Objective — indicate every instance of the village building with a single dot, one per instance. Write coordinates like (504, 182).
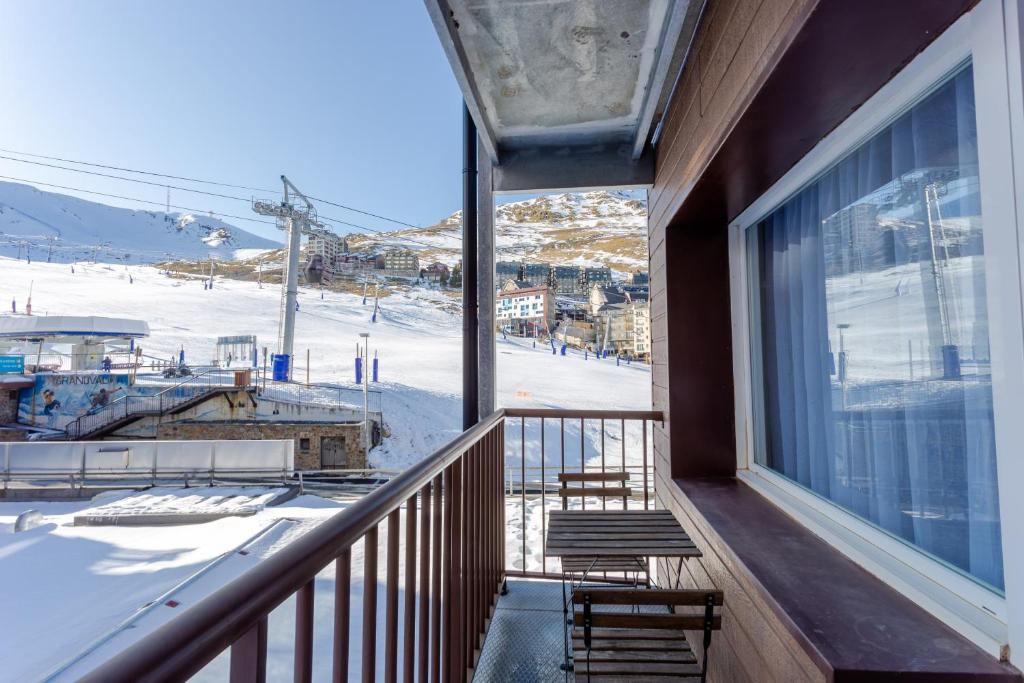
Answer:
(595, 276)
(399, 262)
(567, 280)
(578, 335)
(351, 264)
(436, 272)
(537, 274)
(525, 310)
(328, 246)
(507, 270)
(641, 330)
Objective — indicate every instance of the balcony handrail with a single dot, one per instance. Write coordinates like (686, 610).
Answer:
(183, 646)
(555, 413)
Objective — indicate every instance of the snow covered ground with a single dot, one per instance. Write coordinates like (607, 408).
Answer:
(63, 228)
(67, 587)
(73, 586)
(418, 341)
(79, 594)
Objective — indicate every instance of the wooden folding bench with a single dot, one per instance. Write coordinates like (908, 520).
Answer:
(642, 647)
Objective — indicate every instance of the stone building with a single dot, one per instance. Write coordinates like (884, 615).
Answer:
(318, 445)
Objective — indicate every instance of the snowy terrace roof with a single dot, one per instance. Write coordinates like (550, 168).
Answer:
(566, 95)
(68, 328)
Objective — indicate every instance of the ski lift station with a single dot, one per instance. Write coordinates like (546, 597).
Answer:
(88, 336)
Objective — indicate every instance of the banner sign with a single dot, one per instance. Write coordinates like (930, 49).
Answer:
(12, 364)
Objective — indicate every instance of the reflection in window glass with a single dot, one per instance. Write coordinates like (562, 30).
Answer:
(871, 336)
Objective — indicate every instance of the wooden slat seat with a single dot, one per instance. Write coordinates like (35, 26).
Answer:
(592, 476)
(641, 646)
(595, 492)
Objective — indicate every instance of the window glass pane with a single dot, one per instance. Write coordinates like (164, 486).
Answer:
(871, 336)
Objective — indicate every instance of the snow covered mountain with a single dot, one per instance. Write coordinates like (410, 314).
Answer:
(588, 228)
(66, 228)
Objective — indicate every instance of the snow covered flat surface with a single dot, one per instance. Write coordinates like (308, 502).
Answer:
(168, 501)
(68, 587)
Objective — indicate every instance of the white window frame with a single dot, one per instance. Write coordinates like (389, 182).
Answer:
(989, 36)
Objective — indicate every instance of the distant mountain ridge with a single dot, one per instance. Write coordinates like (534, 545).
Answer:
(601, 227)
(69, 229)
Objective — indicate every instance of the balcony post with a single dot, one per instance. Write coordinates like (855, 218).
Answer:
(485, 220)
(470, 357)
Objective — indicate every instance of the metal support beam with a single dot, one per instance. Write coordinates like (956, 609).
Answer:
(470, 325)
(549, 169)
(487, 359)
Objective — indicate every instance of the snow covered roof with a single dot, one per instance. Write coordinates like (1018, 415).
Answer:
(70, 327)
(10, 382)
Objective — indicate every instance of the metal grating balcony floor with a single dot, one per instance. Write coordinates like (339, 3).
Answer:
(524, 642)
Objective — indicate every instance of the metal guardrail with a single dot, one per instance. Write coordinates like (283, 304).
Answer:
(453, 505)
(538, 482)
(320, 394)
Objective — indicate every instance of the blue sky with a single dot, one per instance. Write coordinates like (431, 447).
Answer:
(355, 102)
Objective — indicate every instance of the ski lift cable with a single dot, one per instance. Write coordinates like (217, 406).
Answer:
(199, 180)
(135, 199)
(327, 219)
(246, 200)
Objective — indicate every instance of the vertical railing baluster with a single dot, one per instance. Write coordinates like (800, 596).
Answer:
(561, 467)
(409, 617)
(603, 499)
(458, 568)
(342, 609)
(643, 424)
(447, 603)
(304, 633)
(489, 528)
(622, 438)
(436, 580)
(522, 481)
(391, 599)
(543, 504)
(423, 663)
(503, 560)
(474, 549)
(583, 462)
(469, 601)
(369, 634)
(249, 655)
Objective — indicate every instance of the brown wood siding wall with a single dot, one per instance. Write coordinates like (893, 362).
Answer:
(798, 52)
(736, 45)
(753, 646)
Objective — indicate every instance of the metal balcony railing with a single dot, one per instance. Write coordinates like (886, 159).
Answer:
(454, 543)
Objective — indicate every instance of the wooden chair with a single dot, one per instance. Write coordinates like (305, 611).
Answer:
(619, 489)
(583, 566)
(647, 646)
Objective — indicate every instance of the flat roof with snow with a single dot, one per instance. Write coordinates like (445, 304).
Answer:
(70, 327)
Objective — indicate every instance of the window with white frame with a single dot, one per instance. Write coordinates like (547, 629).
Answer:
(870, 363)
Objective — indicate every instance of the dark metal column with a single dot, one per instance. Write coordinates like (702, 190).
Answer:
(470, 324)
